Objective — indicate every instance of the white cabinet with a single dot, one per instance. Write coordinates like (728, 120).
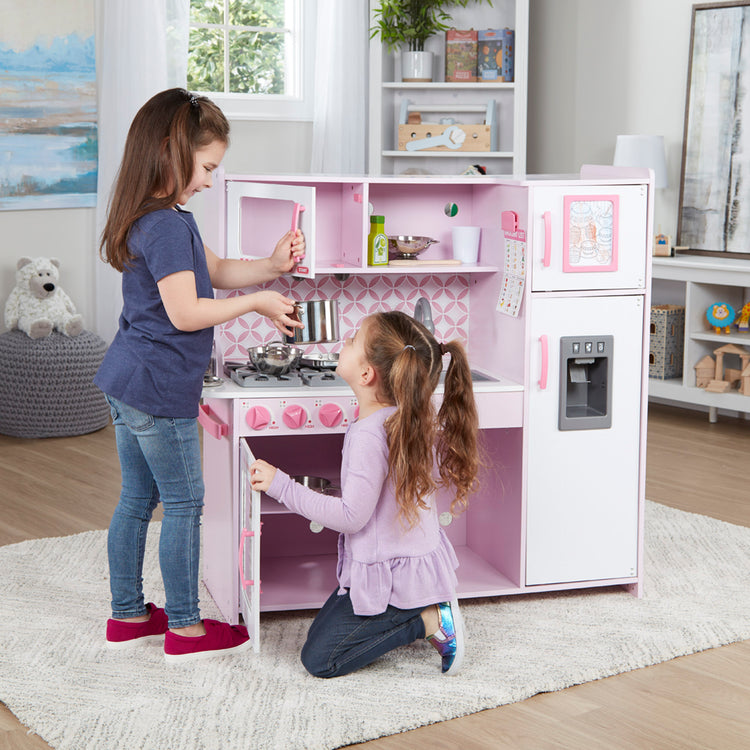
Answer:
(465, 101)
(697, 282)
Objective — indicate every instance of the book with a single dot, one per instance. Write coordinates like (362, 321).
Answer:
(460, 55)
(495, 55)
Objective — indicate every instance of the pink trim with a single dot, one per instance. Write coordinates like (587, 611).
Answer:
(545, 362)
(568, 267)
(211, 423)
(547, 216)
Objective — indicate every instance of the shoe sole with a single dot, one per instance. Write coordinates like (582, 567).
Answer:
(458, 624)
(133, 642)
(198, 655)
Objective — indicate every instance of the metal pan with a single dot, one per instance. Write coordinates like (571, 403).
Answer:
(320, 322)
(319, 361)
(276, 358)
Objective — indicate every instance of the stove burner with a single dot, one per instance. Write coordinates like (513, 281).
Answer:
(245, 375)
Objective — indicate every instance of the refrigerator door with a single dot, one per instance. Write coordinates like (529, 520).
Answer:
(592, 239)
(249, 551)
(582, 483)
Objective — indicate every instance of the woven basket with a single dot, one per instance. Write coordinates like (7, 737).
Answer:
(46, 387)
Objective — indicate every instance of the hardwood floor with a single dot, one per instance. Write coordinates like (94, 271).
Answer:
(59, 486)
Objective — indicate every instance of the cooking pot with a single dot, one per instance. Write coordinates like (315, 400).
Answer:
(320, 321)
(276, 358)
(319, 484)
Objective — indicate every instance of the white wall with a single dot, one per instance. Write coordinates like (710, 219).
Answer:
(601, 68)
(598, 68)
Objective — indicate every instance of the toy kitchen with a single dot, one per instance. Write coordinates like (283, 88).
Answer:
(554, 316)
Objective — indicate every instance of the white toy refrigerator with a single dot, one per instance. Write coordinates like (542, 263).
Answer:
(586, 384)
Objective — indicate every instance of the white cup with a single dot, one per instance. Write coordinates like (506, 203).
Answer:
(466, 244)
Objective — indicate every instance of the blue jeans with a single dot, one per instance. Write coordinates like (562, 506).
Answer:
(340, 642)
(160, 460)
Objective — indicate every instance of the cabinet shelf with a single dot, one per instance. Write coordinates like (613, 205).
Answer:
(448, 86)
(451, 154)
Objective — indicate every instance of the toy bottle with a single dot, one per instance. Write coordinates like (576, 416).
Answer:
(377, 242)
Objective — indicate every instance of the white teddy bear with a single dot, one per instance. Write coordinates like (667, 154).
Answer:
(37, 305)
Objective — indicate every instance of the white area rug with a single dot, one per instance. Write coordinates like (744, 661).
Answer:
(59, 679)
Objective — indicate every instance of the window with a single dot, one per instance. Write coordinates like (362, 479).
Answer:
(254, 58)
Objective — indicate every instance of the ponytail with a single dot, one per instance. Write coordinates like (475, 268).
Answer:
(408, 360)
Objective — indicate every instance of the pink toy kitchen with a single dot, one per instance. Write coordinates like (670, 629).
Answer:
(554, 317)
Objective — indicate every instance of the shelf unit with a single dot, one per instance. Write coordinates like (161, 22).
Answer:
(441, 97)
(696, 282)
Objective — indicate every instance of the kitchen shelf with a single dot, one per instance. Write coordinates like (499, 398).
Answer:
(448, 86)
(450, 154)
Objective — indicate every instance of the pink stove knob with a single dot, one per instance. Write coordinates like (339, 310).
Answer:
(258, 417)
(294, 416)
(331, 415)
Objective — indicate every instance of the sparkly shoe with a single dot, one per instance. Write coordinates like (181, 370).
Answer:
(449, 639)
(122, 634)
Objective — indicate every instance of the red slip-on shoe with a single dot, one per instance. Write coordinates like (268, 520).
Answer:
(122, 634)
(221, 638)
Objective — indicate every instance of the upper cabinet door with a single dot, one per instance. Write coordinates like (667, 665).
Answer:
(258, 215)
(591, 239)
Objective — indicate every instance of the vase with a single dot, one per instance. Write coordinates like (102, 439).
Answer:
(416, 66)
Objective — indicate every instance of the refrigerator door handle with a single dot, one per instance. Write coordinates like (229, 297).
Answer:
(547, 217)
(545, 362)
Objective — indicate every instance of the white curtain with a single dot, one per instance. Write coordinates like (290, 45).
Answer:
(141, 49)
(338, 141)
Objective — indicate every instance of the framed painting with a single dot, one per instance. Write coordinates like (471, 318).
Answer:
(48, 119)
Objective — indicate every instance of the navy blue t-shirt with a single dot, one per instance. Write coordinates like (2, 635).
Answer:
(151, 365)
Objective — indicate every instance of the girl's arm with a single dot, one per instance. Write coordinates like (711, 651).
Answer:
(362, 482)
(233, 273)
(188, 312)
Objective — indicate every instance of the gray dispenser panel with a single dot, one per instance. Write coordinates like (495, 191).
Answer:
(585, 382)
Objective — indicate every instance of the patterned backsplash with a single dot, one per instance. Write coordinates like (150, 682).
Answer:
(358, 297)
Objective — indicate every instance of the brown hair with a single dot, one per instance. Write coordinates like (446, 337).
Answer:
(408, 361)
(157, 163)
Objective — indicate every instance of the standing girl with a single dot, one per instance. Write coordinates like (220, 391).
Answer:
(396, 567)
(153, 371)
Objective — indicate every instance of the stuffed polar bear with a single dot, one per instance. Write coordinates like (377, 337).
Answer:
(37, 305)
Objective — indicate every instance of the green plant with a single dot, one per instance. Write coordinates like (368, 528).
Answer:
(409, 23)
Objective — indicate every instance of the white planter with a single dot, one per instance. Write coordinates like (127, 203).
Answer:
(416, 66)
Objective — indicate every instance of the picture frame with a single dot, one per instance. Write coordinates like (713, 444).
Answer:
(714, 206)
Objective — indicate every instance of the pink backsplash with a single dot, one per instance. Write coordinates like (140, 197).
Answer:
(358, 297)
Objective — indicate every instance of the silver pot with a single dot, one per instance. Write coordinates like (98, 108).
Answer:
(320, 361)
(320, 320)
(276, 358)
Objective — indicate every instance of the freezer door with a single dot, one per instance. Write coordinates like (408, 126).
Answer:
(259, 213)
(249, 551)
(591, 239)
(582, 497)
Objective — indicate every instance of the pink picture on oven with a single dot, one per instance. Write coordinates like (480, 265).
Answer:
(590, 229)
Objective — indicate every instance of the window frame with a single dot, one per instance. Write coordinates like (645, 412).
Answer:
(298, 103)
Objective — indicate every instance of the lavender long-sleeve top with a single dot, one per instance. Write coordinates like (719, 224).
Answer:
(380, 561)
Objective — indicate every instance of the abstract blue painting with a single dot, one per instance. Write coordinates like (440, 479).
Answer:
(48, 119)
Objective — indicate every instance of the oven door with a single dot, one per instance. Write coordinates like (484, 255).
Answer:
(249, 551)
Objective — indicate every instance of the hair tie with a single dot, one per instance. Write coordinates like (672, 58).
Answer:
(194, 101)
(408, 346)
(443, 349)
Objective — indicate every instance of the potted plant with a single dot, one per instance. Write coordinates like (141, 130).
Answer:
(407, 24)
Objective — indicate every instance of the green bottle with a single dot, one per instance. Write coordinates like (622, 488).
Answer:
(377, 242)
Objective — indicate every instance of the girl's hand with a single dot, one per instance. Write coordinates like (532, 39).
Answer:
(261, 475)
(289, 251)
(278, 309)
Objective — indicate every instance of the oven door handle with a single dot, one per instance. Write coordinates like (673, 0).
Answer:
(545, 362)
(211, 423)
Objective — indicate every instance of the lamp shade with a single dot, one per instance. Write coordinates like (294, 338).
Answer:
(643, 151)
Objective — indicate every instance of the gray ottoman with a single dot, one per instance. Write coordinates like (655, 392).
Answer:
(46, 387)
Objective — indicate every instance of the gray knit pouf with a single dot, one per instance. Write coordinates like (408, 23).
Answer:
(46, 387)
